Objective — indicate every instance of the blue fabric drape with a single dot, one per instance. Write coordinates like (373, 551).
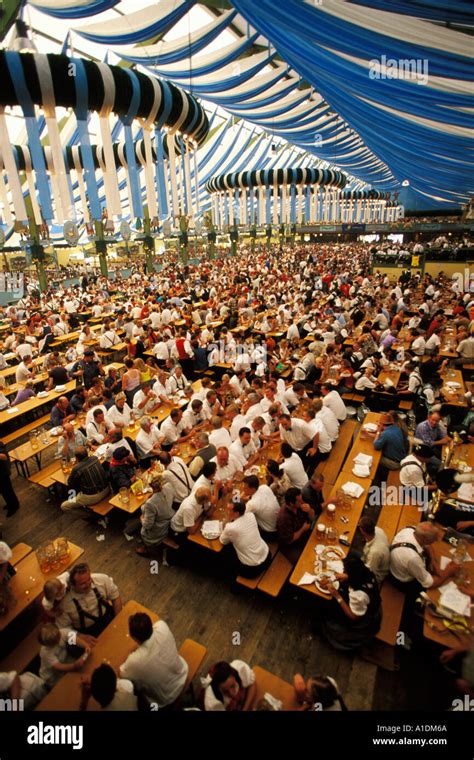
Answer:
(32, 129)
(81, 10)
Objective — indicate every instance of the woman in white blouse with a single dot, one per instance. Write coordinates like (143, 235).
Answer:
(318, 693)
(229, 687)
(356, 614)
(119, 415)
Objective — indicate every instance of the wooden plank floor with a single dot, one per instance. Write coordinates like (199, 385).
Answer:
(273, 633)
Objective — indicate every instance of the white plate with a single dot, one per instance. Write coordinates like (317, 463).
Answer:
(332, 552)
(60, 388)
(326, 574)
(43, 394)
(255, 470)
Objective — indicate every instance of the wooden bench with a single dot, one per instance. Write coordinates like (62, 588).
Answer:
(392, 606)
(19, 552)
(102, 508)
(358, 399)
(23, 654)
(409, 515)
(25, 429)
(194, 654)
(43, 477)
(275, 577)
(332, 466)
(382, 651)
(168, 543)
(406, 405)
(390, 514)
(252, 583)
(388, 519)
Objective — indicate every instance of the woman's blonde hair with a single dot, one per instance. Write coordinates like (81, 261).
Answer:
(49, 635)
(140, 365)
(120, 396)
(51, 588)
(157, 482)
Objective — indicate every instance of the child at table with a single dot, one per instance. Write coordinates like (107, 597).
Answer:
(54, 592)
(318, 693)
(229, 687)
(54, 653)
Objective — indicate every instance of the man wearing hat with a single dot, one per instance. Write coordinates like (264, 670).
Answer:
(12, 504)
(7, 571)
(87, 369)
(413, 472)
(122, 469)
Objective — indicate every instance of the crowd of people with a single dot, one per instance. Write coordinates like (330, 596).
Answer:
(266, 336)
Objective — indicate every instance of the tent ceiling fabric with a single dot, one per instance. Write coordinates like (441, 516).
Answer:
(378, 89)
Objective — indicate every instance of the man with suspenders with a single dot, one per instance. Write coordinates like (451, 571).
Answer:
(413, 473)
(90, 604)
(412, 564)
(177, 475)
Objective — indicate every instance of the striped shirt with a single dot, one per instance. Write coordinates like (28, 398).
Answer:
(88, 477)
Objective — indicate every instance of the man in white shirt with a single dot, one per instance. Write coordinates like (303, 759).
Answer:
(238, 420)
(155, 318)
(320, 441)
(412, 563)
(24, 349)
(91, 602)
(253, 554)
(239, 384)
(159, 388)
(161, 351)
(138, 329)
(220, 436)
(211, 405)
(293, 396)
(96, 430)
(156, 667)
(252, 407)
(109, 339)
(433, 342)
(244, 449)
(186, 519)
(148, 439)
(292, 334)
(60, 328)
(418, 345)
(177, 476)
(172, 429)
(119, 415)
(25, 370)
(376, 552)
(328, 418)
(293, 466)
(227, 465)
(465, 350)
(176, 382)
(414, 475)
(193, 417)
(332, 399)
(263, 503)
(295, 432)
(366, 382)
(145, 401)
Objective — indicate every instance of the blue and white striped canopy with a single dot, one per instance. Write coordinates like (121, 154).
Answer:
(379, 88)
